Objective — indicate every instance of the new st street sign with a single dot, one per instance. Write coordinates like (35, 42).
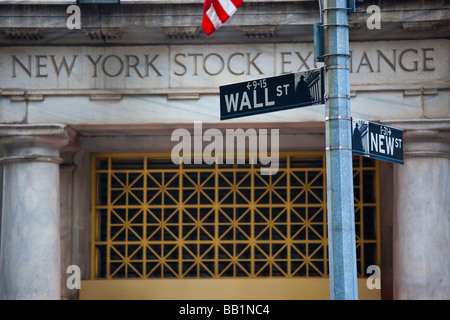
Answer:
(283, 92)
(377, 141)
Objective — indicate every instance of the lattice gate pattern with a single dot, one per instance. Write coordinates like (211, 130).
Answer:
(153, 219)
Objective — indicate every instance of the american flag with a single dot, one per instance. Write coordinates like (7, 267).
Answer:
(217, 12)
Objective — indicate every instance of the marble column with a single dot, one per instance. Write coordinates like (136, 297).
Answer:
(30, 235)
(421, 222)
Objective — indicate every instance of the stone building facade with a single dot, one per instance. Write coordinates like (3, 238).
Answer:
(87, 113)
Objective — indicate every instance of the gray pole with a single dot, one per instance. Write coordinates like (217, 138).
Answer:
(341, 221)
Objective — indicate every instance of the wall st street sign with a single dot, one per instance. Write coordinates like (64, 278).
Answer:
(271, 94)
(377, 141)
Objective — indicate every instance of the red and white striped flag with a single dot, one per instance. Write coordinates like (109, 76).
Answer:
(217, 12)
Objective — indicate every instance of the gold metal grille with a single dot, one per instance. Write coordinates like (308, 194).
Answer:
(153, 219)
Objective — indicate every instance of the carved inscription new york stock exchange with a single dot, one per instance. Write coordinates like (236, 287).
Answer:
(163, 68)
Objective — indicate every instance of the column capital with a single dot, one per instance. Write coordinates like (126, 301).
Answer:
(39, 135)
(42, 143)
(425, 137)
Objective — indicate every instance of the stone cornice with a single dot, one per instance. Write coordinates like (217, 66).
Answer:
(104, 33)
(181, 33)
(151, 22)
(28, 34)
(420, 26)
(260, 32)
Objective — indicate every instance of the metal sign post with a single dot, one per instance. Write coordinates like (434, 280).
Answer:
(340, 201)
